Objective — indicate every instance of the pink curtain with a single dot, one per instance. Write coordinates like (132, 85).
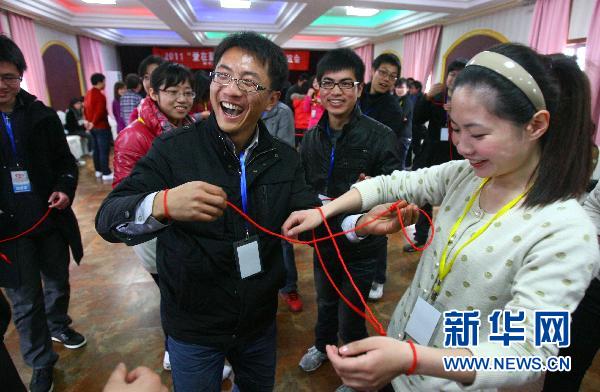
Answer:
(419, 53)
(23, 34)
(550, 26)
(592, 66)
(90, 52)
(366, 54)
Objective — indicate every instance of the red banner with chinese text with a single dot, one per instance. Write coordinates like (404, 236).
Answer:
(202, 58)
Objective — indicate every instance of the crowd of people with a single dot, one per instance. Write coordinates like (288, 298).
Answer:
(504, 149)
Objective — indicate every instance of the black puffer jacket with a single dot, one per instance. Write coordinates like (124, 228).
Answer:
(203, 299)
(365, 146)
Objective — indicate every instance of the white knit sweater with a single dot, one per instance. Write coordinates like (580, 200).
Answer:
(528, 259)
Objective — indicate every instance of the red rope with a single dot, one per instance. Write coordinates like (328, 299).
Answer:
(369, 316)
(32, 228)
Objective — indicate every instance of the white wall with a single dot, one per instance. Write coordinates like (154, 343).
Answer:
(110, 57)
(5, 26)
(513, 23)
(46, 34)
(581, 17)
(396, 46)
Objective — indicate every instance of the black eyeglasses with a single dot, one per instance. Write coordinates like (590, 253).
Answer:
(245, 85)
(386, 75)
(11, 80)
(347, 84)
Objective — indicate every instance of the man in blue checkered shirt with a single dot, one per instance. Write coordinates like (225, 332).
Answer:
(131, 98)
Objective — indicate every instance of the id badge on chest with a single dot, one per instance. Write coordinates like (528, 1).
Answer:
(20, 181)
(444, 135)
(248, 257)
(422, 321)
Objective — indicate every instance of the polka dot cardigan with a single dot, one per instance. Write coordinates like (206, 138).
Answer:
(528, 259)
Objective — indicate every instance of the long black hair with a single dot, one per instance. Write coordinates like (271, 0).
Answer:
(565, 164)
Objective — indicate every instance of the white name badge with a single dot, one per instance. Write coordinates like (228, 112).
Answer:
(324, 199)
(422, 321)
(20, 181)
(313, 113)
(444, 135)
(248, 257)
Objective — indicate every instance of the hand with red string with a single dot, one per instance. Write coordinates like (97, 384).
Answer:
(370, 364)
(192, 201)
(385, 218)
(58, 200)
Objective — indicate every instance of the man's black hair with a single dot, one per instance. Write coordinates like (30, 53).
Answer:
(340, 60)
(10, 53)
(400, 82)
(152, 59)
(97, 78)
(132, 81)
(457, 65)
(266, 52)
(304, 76)
(387, 58)
(416, 84)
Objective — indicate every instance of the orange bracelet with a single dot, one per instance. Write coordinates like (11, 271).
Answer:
(165, 204)
(413, 366)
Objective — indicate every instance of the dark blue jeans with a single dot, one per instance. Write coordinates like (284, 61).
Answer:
(333, 315)
(291, 272)
(41, 311)
(381, 264)
(403, 147)
(101, 139)
(199, 368)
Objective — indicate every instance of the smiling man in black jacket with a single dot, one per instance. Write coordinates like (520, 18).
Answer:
(219, 275)
(37, 172)
(344, 147)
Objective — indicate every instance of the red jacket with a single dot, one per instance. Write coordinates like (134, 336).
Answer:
(94, 105)
(136, 139)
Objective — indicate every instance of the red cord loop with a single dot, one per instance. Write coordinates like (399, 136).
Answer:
(413, 366)
(165, 207)
(369, 316)
(32, 228)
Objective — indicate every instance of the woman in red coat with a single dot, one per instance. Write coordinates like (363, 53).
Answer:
(166, 107)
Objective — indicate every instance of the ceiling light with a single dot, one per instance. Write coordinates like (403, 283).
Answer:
(355, 11)
(108, 2)
(235, 3)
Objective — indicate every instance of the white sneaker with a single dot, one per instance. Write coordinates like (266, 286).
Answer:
(108, 177)
(166, 361)
(312, 359)
(98, 174)
(376, 291)
(226, 371)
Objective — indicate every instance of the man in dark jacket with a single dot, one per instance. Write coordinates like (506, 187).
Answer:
(38, 173)
(344, 147)
(437, 147)
(219, 275)
(378, 103)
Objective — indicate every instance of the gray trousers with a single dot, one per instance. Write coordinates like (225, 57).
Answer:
(41, 311)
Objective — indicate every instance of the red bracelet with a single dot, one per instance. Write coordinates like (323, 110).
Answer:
(413, 366)
(165, 204)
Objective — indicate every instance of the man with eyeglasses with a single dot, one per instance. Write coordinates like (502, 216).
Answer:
(378, 103)
(344, 147)
(219, 275)
(37, 172)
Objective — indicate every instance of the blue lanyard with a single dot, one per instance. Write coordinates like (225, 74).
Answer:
(243, 189)
(331, 158)
(10, 133)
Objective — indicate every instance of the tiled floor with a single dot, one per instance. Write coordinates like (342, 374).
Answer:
(114, 302)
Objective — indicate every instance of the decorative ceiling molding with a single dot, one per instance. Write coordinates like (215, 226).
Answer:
(293, 18)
